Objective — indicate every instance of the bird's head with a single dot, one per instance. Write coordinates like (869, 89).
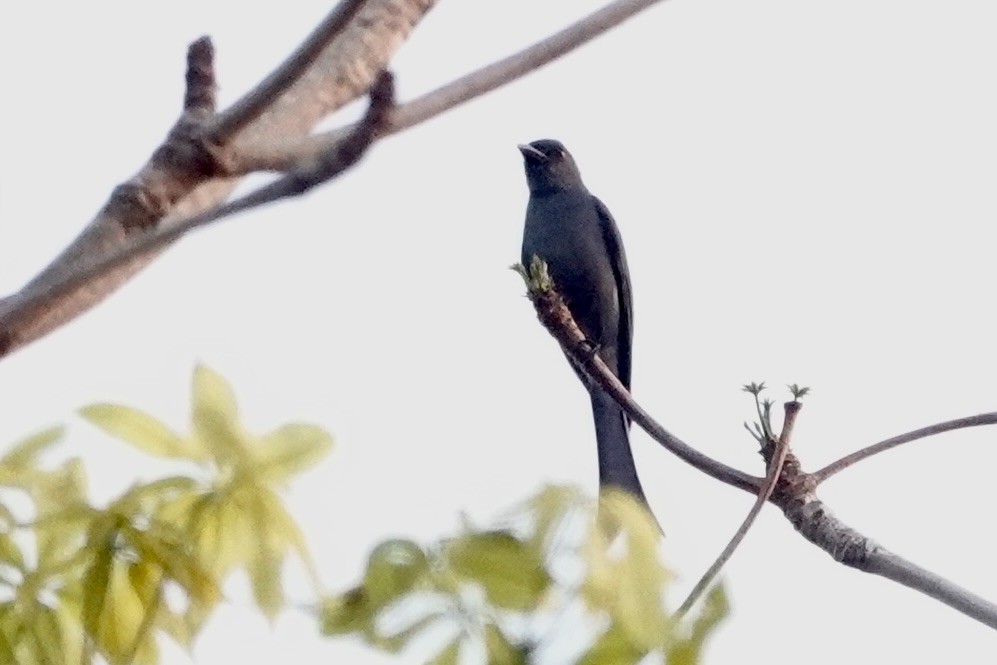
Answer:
(549, 167)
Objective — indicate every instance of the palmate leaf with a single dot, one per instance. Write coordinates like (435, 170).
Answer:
(510, 570)
(141, 430)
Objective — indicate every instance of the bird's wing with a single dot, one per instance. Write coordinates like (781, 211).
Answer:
(618, 259)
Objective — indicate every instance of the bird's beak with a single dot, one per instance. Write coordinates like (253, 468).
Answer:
(531, 154)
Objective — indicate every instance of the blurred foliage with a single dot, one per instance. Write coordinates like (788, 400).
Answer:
(82, 583)
(550, 581)
(79, 580)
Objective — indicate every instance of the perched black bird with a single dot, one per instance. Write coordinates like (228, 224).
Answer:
(574, 233)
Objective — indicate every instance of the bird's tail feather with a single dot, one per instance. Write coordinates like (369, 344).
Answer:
(616, 461)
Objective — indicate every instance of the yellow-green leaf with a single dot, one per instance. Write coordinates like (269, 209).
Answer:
(500, 650)
(631, 587)
(141, 430)
(613, 648)
(46, 632)
(161, 548)
(212, 395)
(54, 490)
(120, 620)
(23, 454)
(68, 615)
(97, 579)
(10, 552)
(225, 535)
(393, 569)
(282, 524)
(449, 655)
(346, 613)
(510, 570)
(215, 416)
(395, 642)
(290, 449)
(267, 560)
(550, 508)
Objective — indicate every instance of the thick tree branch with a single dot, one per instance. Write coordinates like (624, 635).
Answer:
(163, 197)
(275, 139)
(322, 169)
(252, 105)
(876, 448)
(816, 523)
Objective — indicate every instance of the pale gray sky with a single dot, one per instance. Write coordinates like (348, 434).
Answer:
(805, 191)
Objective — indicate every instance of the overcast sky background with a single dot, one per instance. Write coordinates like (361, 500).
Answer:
(806, 194)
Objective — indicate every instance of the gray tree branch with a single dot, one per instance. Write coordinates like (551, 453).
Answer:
(269, 130)
(165, 192)
(795, 490)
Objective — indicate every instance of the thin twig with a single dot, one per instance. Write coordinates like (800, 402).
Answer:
(508, 69)
(938, 428)
(279, 156)
(199, 91)
(246, 110)
(781, 450)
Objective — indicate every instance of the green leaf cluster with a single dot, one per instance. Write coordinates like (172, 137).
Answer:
(86, 580)
(503, 592)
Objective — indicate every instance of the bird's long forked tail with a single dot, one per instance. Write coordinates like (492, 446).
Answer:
(616, 460)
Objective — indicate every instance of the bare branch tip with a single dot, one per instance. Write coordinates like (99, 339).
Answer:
(199, 96)
(382, 100)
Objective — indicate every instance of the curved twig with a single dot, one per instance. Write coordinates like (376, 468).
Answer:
(794, 491)
(876, 448)
(781, 450)
(279, 155)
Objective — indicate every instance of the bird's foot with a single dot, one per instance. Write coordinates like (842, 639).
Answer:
(591, 348)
